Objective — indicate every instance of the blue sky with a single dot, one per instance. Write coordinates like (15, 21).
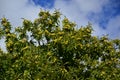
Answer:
(44, 3)
(103, 14)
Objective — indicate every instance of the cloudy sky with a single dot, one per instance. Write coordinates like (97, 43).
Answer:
(103, 14)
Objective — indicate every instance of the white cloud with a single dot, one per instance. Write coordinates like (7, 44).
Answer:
(14, 10)
(98, 31)
(113, 27)
(2, 44)
(90, 5)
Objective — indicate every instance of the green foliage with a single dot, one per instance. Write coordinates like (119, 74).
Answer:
(50, 49)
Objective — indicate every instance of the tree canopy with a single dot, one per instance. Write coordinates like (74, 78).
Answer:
(52, 49)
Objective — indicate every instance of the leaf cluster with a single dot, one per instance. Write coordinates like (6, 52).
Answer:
(50, 49)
